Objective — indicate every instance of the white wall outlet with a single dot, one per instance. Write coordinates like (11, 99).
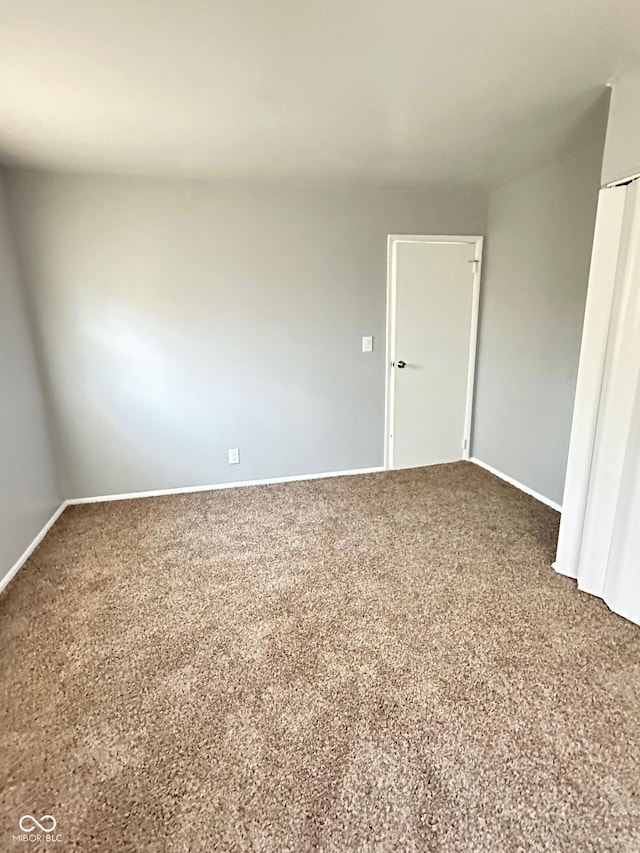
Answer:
(234, 456)
(367, 343)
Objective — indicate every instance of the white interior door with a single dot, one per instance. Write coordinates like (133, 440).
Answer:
(433, 299)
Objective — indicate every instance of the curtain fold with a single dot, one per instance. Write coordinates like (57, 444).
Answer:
(622, 581)
(595, 335)
(599, 540)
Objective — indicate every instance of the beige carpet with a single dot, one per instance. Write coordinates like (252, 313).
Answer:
(373, 663)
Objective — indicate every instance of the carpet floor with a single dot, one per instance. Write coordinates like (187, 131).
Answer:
(384, 662)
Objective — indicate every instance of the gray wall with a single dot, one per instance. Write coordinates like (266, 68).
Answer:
(181, 318)
(28, 491)
(540, 232)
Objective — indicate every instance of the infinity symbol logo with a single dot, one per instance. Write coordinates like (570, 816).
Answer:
(41, 824)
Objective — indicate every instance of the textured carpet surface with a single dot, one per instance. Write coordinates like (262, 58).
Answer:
(373, 663)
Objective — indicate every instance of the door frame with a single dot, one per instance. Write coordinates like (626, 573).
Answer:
(392, 242)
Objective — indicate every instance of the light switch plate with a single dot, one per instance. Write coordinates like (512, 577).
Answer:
(367, 343)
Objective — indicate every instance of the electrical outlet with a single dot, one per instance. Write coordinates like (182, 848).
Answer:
(367, 343)
(234, 456)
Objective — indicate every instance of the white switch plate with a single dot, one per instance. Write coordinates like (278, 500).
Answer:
(234, 456)
(367, 343)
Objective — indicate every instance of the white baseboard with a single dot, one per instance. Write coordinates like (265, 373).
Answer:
(126, 496)
(521, 486)
(13, 571)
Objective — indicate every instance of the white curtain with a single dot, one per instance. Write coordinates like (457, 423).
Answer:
(600, 529)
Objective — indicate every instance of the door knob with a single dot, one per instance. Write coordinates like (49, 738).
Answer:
(401, 364)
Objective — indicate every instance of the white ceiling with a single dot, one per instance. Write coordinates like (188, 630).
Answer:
(420, 91)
